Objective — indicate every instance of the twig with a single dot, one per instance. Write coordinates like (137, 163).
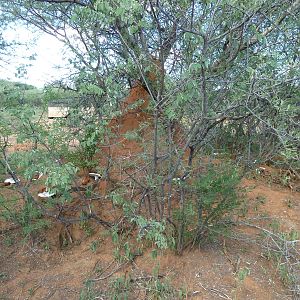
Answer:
(112, 272)
(119, 267)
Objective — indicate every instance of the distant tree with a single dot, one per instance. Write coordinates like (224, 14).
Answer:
(13, 94)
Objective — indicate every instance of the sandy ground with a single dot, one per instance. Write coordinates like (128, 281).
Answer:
(38, 272)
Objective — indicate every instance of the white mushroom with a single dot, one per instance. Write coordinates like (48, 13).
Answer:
(96, 176)
(9, 181)
(46, 194)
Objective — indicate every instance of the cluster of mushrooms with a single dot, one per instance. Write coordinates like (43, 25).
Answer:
(43, 193)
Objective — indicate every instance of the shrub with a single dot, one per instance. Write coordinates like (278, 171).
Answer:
(217, 196)
(28, 217)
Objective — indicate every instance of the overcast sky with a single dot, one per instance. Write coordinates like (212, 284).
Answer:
(44, 69)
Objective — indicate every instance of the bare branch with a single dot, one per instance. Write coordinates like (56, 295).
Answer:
(77, 2)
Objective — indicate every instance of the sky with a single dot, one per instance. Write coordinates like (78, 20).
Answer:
(50, 61)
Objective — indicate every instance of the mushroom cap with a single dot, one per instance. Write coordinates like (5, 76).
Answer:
(96, 176)
(9, 180)
(46, 194)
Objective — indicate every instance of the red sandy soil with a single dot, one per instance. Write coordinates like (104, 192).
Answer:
(32, 272)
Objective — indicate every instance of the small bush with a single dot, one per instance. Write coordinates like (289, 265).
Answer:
(213, 195)
(217, 196)
(28, 216)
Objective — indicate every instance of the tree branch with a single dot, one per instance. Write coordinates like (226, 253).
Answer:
(77, 2)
